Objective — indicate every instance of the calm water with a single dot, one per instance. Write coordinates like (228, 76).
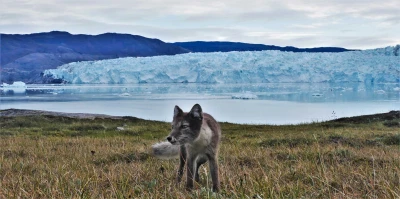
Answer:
(269, 103)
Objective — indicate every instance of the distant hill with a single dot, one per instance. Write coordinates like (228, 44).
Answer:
(24, 57)
(217, 46)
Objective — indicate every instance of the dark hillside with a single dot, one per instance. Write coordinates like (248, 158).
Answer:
(216, 46)
(24, 57)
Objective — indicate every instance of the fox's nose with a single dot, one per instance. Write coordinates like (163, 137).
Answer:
(169, 138)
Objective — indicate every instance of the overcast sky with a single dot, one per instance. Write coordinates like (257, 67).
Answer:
(354, 24)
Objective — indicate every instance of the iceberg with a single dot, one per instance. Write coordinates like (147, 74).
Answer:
(16, 87)
(370, 66)
(17, 84)
(125, 95)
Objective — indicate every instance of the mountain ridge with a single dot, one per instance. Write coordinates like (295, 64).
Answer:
(26, 56)
(227, 46)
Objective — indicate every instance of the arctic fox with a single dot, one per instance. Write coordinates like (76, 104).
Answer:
(194, 138)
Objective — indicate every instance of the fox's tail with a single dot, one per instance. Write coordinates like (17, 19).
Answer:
(165, 150)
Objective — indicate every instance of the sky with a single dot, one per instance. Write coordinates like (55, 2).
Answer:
(353, 24)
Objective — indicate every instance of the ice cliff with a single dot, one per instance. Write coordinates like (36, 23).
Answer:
(377, 65)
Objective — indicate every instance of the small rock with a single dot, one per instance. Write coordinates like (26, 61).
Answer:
(317, 94)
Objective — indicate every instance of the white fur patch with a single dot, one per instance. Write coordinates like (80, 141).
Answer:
(204, 138)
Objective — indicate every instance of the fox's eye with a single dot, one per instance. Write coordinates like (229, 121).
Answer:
(185, 126)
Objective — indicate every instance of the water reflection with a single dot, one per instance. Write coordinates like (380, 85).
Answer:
(298, 92)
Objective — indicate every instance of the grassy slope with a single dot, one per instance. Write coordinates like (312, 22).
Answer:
(60, 157)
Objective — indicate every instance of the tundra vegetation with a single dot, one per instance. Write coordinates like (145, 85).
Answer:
(50, 156)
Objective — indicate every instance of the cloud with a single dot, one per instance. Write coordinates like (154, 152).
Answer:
(302, 23)
(366, 42)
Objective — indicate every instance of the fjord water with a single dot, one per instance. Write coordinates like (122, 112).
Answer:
(263, 103)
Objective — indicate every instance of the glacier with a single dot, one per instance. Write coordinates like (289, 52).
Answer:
(370, 66)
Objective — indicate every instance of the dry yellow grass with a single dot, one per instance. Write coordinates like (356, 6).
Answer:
(58, 157)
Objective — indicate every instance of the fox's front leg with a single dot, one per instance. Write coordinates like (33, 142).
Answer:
(182, 163)
(190, 164)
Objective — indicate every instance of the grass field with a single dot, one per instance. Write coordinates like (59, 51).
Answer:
(48, 156)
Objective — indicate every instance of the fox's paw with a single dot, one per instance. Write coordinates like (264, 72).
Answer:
(189, 187)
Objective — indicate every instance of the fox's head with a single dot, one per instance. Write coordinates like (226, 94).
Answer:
(185, 127)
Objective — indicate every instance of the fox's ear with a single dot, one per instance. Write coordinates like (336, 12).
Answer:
(177, 111)
(197, 112)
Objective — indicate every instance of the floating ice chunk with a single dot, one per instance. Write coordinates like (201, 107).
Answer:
(17, 84)
(347, 89)
(380, 92)
(125, 95)
(16, 87)
(396, 88)
(246, 95)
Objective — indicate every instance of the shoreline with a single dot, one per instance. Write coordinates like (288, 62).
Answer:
(391, 115)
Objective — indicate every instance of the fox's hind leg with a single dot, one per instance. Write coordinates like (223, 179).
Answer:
(182, 163)
(199, 163)
(214, 172)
